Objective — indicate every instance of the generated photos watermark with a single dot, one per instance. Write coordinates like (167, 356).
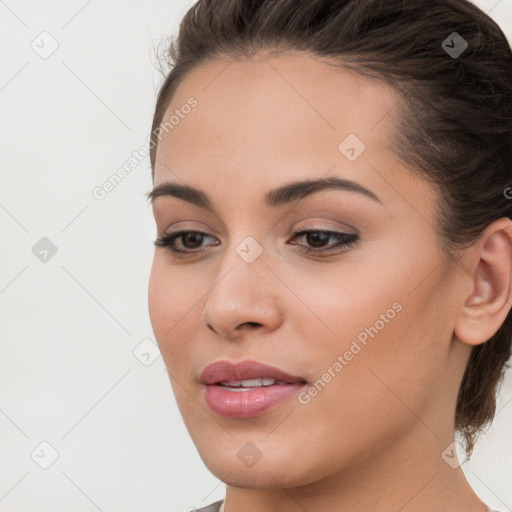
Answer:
(355, 348)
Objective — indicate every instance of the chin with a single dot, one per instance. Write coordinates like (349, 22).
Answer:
(270, 471)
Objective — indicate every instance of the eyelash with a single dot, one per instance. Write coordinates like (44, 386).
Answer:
(345, 240)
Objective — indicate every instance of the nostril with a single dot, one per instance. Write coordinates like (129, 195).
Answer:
(255, 324)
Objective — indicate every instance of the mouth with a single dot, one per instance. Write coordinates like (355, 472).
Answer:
(246, 373)
(248, 388)
(247, 384)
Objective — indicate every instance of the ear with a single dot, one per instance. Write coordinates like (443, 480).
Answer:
(490, 276)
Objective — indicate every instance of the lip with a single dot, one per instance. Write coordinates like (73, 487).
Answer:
(251, 402)
(223, 370)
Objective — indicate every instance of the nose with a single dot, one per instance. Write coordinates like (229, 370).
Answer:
(243, 300)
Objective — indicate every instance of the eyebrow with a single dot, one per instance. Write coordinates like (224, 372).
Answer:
(275, 197)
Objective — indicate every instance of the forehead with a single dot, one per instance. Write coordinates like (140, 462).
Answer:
(292, 99)
(271, 119)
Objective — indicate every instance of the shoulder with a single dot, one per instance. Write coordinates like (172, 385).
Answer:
(212, 507)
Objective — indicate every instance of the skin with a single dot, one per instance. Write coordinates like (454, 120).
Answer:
(372, 439)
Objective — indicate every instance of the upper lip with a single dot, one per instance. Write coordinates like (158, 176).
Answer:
(220, 371)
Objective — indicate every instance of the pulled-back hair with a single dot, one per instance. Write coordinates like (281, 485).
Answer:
(455, 122)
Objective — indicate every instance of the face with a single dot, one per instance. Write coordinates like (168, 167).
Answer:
(365, 321)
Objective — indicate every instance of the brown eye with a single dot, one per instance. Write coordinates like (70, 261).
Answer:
(191, 241)
(317, 239)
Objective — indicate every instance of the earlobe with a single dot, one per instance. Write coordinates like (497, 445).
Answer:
(486, 307)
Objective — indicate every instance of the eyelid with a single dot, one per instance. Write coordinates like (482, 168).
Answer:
(184, 225)
(319, 225)
(340, 227)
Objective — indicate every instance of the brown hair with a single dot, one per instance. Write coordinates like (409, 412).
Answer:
(454, 128)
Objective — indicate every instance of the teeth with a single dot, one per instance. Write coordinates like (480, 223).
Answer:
(249, 383)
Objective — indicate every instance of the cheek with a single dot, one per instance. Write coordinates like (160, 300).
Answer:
(169, 303)
(390, 369)
(387, 329)
(344, 304)
(381, 381)
(158, 299)
(175, 308)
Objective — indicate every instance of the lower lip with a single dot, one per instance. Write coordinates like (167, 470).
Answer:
(250, 403)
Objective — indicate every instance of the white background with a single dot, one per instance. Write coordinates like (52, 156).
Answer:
(69, 326)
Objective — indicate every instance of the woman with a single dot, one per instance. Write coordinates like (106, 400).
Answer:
(331, 283)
